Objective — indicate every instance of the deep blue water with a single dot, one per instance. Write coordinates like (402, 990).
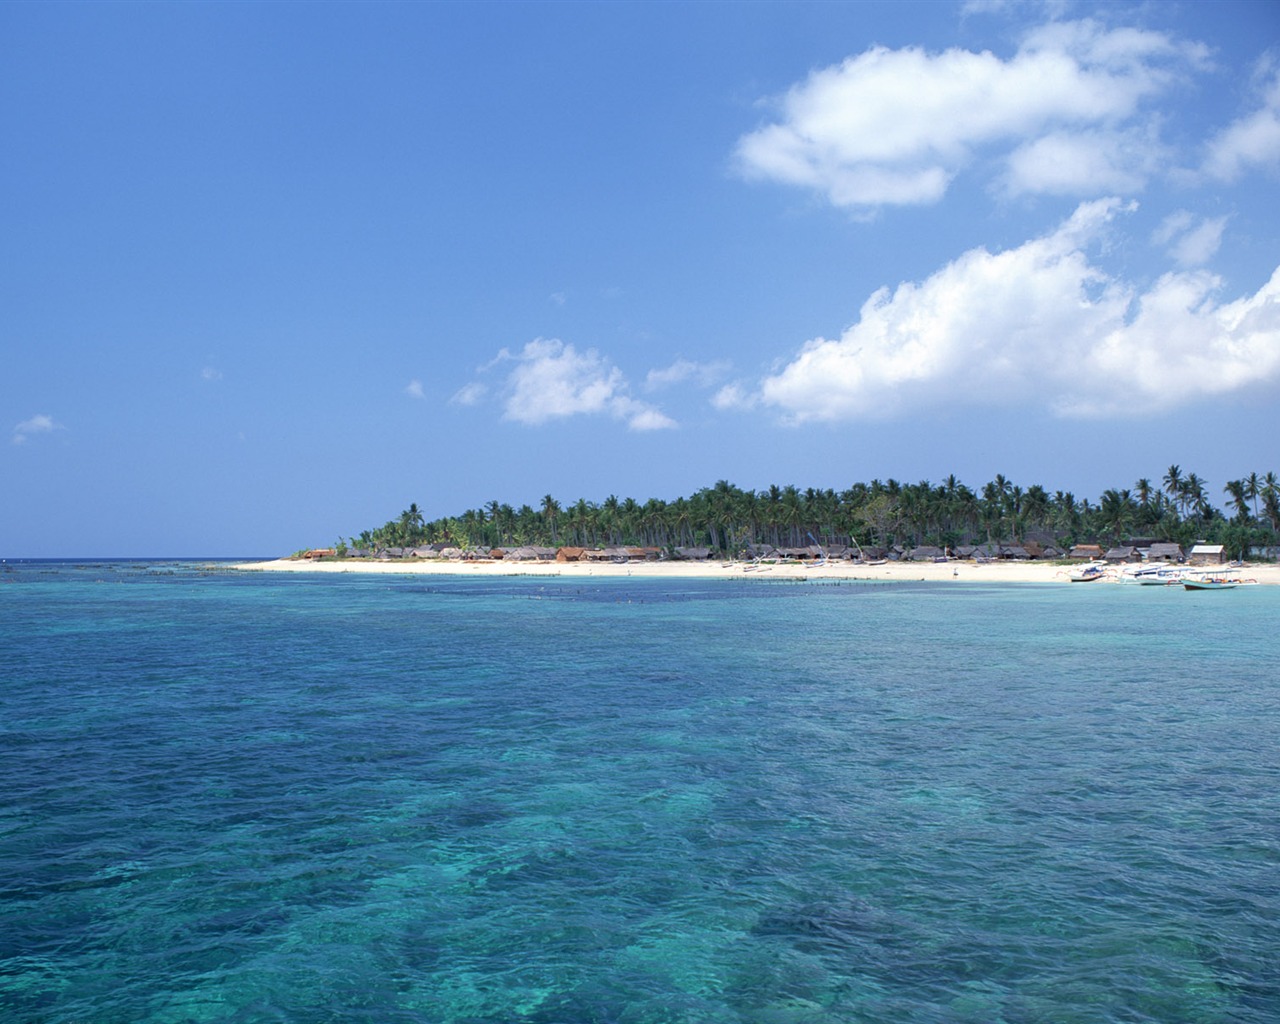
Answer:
(247, 797)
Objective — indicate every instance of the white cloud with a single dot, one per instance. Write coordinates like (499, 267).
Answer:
(1190, 244)
(682, 370)
(1036, 325)
(736, 395)
(1177, 223)
(1084, 162)
(470, 394)
(210, 373)
(552, 380)
(414, 389)
(36, 425)
(896, 126)
(1250, 141)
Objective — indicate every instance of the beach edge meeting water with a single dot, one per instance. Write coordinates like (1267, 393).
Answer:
(954, 570)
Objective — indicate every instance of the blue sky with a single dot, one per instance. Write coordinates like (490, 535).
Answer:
(271, 272)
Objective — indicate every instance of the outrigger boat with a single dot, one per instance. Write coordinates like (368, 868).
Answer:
(1221, 581)
(1090, 573)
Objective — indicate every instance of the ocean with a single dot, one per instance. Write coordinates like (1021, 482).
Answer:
(257, 797)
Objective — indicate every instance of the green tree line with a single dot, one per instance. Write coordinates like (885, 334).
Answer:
(882, 513)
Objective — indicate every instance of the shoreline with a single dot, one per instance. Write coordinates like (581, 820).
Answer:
(957, 571)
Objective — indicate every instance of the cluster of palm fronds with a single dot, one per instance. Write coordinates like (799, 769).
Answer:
(729, 519)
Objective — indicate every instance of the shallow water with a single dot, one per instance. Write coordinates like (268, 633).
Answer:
(250, 798)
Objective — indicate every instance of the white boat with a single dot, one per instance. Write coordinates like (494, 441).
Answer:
(1155, 576)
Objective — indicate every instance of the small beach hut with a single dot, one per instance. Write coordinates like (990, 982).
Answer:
(1207, 554)
(926, 553)
(693, 554)
(1164, 552)
(1123, 553)
(1086, 552)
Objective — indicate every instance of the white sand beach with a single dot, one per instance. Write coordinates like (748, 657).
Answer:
(958, 571)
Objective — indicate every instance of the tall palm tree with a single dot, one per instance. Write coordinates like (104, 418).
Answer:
(1271, 500)
(1197, 501)
(1173, 483)
(550, 513)
(1251, 489)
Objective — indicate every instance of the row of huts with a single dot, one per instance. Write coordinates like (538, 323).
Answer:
(1137, 551)
(1156, 551)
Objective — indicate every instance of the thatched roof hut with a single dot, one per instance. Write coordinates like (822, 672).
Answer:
(926, 553)
(1164, 552)
(644, 554)
(693, 554)
(1087, 552)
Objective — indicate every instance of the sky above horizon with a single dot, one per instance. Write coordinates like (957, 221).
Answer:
(272, 272)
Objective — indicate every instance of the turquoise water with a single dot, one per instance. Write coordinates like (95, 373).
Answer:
(276, 798)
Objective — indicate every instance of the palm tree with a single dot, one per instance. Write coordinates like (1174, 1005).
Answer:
(1194, 490)
(792, 514)
(1271, 500)
(1238, 490)
(1115, 512)
(1173, 483)
(550, 513)
(1035, 505)
(1251, 490)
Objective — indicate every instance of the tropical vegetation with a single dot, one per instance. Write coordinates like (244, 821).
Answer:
(730, 520)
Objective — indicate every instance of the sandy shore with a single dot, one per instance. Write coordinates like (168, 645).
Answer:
(967, 572)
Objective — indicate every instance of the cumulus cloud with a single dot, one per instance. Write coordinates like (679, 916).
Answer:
(414, 389)
(35, 426)
(1065, 114)
(549, 380)
(1251, 141)
(1038, 324)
